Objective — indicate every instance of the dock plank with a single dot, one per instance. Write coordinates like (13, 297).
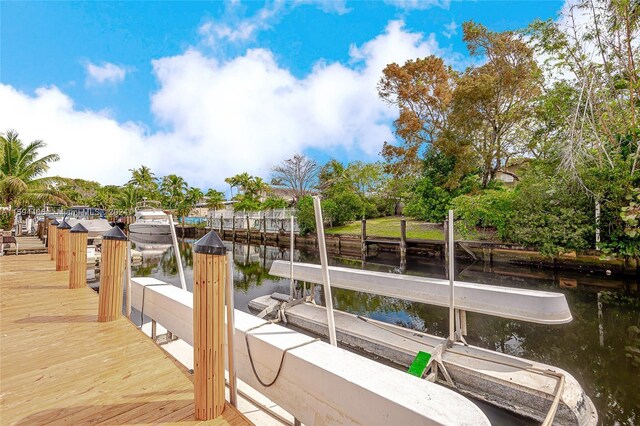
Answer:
(59, 365)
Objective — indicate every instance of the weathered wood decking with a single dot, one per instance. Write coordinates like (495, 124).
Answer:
(59, 365)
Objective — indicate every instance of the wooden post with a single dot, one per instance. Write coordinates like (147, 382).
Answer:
(403, 240)
(209, 278)
(233, 228)
(78, 256)
(363, 238)
(45, 233)
(221, 224)
(62, 247)
(264, 227)
(52, 232)
(248, 230)
(114, 249)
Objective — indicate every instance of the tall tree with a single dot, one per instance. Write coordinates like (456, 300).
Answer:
(595, 47)
(299, 173)
(330, 175)
(144, 180)
(173, 188)
(251, 191)
(127, 198)
(215, 199)
(21, 180)
(492, 102)
(366, 178)
(422, 89)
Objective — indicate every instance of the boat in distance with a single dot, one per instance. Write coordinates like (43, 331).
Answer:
(150, 219)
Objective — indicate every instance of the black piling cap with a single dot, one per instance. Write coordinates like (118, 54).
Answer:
(114, 233)
(64, 225)
(54, 222)
(78, 228)
(210, 244)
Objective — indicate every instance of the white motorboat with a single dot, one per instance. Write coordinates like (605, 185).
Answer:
(95, 227)
(150, 219)
(151, 245)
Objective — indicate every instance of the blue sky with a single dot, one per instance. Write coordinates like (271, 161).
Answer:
(210, 89)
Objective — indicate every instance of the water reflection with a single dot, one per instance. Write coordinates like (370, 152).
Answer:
(606, 372)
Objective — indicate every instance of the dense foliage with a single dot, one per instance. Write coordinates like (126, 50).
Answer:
(6, 219)
(553, 110)
(21, 173)
(560, 100)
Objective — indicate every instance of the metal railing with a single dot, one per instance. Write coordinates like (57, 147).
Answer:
(269, 220)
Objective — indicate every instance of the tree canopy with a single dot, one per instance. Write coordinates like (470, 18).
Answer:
(21, 173)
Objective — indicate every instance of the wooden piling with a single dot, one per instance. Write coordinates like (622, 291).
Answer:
(248, 230)
(209, 277)
(114, 249)
(62, 247)
(221, 224)
(233, 228)
(45, 231)
(51, 232)
(363, 238)
(78, 256)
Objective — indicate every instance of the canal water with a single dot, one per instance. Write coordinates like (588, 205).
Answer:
(597, 347)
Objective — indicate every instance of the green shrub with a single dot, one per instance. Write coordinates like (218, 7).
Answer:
(345, 207)
(305, 215)
(6, 219)
(274, 203)
(490, 209)
(551, 216)
(428, 202)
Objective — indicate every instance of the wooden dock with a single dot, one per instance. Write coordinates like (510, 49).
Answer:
(59, 365)
(26, 245)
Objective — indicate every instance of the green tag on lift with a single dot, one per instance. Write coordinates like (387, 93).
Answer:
(419, 364)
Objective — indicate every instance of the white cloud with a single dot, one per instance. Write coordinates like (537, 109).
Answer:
(450, 29)
(419, 4)
(234, 27)
(105, 73)
(225, 117)
(91, 145)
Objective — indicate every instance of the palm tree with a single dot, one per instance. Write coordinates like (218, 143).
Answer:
(128, 198)
(144, 179)
(173, 188)
(189, 201)
(214, 199)
(21, 170)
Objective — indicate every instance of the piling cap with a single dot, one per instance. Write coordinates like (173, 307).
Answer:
(77, 228)
(210, 244)
(64, 225)
(114, 233)
(54, 222)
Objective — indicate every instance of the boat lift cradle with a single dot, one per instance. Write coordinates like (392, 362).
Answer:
(518, 385)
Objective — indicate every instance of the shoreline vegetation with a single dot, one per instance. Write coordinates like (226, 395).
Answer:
(541, 154)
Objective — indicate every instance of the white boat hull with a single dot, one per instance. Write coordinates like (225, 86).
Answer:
(150, 228)
(95, 227)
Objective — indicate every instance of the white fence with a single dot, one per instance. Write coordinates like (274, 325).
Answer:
(269, 220)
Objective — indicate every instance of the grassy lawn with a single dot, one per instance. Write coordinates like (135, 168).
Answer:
(390, 227)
